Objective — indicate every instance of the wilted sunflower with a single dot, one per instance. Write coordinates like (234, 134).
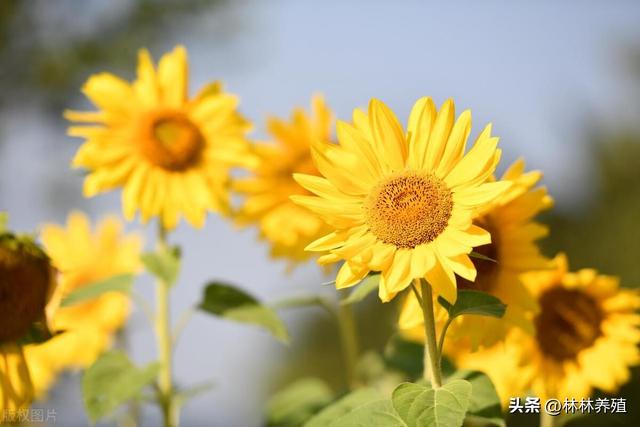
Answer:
(83, 256)
(287, 226)
(509, 219)
(170, 153)
(27, 282)
(402, 203)
(586, 336)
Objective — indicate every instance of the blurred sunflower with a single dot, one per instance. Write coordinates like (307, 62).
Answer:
(287, 226)
(16, 388)
(514, 233)
(27, 282)
(171, 154)
(83, 256)
(586, 336)
(402, 203)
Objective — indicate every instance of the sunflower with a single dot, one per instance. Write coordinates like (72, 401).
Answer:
(402, 203)
(287, 226)
(509, 219)
(586, 336)
(27, 283)
(169, 153)
(83, 256)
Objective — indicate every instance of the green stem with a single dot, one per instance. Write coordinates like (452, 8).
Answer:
(431, 359)
(441, 340)
(163, 333)
(349, 342)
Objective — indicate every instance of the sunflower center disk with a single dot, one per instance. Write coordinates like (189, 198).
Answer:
(24, 284)
(170, 140)
(569, 321)
(409, 210)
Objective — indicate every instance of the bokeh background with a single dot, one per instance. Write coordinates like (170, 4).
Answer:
(559, 80)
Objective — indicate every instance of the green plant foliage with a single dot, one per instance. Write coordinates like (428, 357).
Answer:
(484, 404)
(231, 303)
(298, 402)
(38, 333)
(367, 286)
(304, 301)
(478, 255)
(113, 380)
(119, 283)
(183, 396)
(343, 406)
(421, 406)
(379, 413)
(474, 302)
(164, 264)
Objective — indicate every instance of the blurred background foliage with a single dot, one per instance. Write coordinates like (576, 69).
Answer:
(47, 49)
(605, 234)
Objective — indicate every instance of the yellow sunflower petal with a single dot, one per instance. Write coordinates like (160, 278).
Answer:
(421, 120)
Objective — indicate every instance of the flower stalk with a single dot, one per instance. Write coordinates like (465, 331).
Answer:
(349, 342)
(431, 357)
(163, 333)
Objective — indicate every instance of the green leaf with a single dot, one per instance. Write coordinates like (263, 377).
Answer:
(474, 302)
(183, 396)
(120, 283)
(164, 264)
(484, 405)
(113, 380)
(343, 406)
(478, 255)
(38, 333)
(297, 402)
(420, 405)
(232, 303)
(368, 285)
(303, 301)
(379, 413)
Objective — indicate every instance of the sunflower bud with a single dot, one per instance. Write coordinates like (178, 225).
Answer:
(26, 278)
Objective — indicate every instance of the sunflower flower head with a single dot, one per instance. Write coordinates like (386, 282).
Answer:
(83, 255)
(168, 152)
(514, 232)
(288, 227)
(27, 282)
(402, 202)
(586, 336)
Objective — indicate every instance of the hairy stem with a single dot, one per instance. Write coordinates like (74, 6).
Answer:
(431, 358)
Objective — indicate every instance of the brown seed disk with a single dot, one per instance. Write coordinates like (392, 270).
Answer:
(24, 287)
(409, 209)
(169, 140)
(569, 321)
